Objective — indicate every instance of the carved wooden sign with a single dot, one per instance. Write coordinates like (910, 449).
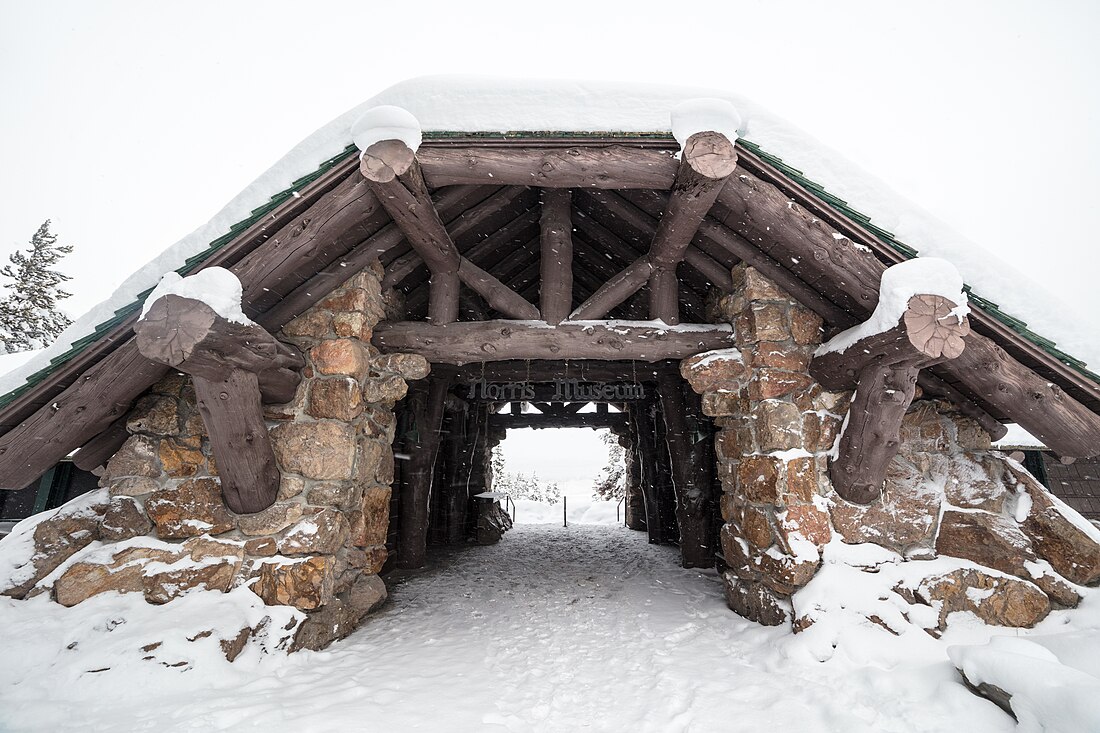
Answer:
(559, 390)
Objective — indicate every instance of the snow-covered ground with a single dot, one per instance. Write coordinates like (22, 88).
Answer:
(555, 629)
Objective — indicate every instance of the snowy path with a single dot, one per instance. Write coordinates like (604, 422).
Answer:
(585, 628)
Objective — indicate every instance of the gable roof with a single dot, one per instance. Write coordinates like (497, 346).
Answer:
(453, 112)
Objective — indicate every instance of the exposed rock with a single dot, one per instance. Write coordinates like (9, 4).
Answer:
(313, 323)
(756, 528)
(290, 486)
(492, 522)
(348, 324)
(994, 599)
(82, 580)
(337, 494)
(369, 560)
(713, 371)
(348, 357)
(762, 322)
(164, 586)
(1066, 544)
(136, 457)
(318, 450)
(348, 300)
(785, 574)
(767, 383)
(806, 521)
(755, 601)
(384, 389)
(275, 518)
(903, 516)
(806, 326)
(777, 355)
(376, 517)
(261, 547)
(987, 539)
(971, 482)
(801, 484)
(133, 486)
(409, 367)
(342, 615)
(56, 540)
(124, 519)
(306, 584)
(324, 532)
(339, 398)
(194, 508)
(758, 479)
(721, 404)
(155, 415)
(778, 425)
(179, 460)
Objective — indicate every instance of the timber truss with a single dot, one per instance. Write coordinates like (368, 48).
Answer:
(553, 248)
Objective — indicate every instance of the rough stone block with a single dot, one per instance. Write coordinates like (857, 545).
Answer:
(339, 398)
(195, 507)
(307, 584)
(138, 456)
(323, 533)
(318, 450)
(312, 324)
(155, 415)
(777, 425)
(767, 383)
(758, 479)
(275, 518)
(123, 520)
(409, 367)
(349, 357)
(992, 598)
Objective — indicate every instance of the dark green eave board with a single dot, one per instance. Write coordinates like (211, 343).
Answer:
(797, 176)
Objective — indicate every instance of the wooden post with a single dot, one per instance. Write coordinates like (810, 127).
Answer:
(556, 266)
(691, 504)
(231, 365)
(412, 538)
(883, 367)
(644, 430)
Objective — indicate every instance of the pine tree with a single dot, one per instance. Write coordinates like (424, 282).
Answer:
(29, 318)
(611, 483)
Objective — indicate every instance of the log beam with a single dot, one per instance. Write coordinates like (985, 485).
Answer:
(231, 365)
(556, 265)
(707, 160)
(581, 420)
(97, 451)
(883, 367)
(610, 166)
(463, 343)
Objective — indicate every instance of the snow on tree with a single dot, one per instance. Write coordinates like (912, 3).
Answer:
(520, 485)
(29, 317)
(611, 483)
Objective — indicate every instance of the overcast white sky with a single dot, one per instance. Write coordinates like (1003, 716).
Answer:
(131, 123)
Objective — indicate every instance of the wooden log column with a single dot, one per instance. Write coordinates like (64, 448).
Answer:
(231, 365)
(690, 500)
(883, 368)
(420, 443)
(556, 265)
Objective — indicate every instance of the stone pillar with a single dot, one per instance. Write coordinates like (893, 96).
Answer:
(775, 427)
(321, 545)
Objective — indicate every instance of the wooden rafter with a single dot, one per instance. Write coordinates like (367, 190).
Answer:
(707, 160)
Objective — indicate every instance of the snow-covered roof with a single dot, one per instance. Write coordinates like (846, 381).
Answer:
(454, 104)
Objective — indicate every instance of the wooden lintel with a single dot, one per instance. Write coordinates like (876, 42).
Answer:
(610, 166)
(226, 360)
(556, 262)
(707, 160)
(552, 370)
(463, 343)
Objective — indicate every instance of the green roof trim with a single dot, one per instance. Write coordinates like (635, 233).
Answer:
(817, 190)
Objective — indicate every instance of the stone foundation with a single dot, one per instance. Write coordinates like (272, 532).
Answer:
(947, 494)
(163, 529)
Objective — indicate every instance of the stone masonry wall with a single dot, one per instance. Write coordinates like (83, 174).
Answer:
(947, 493)
(319, 548)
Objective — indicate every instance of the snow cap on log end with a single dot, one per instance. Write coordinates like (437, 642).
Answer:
(216, 286)
(704, 114)
(386, 122)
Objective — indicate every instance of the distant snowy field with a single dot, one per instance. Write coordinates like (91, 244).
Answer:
(555, 629)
